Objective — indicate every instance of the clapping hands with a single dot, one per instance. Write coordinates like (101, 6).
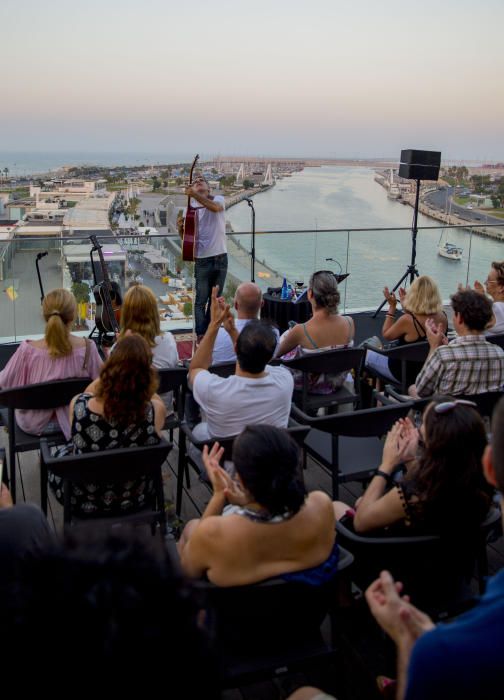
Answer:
(221, 481)
(435, 333)
(219, 310)
(390, 297)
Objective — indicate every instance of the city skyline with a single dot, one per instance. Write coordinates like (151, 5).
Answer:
(318, 79)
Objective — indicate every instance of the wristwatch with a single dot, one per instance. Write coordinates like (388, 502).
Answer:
(387, 477)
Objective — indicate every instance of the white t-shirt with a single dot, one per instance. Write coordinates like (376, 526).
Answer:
(165, 353)
(498, 311)
(211, 238)
(230, 404)
(224, 349)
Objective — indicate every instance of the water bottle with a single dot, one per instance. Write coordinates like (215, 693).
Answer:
(285, 290)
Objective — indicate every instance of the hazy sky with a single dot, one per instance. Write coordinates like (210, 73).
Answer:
(331, 78)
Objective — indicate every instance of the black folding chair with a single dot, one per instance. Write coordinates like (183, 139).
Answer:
(272, 628)
(174, 379)
(348, 445)
(326, 362)
(192, 457)
(46, 395)
(107, 467)
(411, 356)
(496, 339)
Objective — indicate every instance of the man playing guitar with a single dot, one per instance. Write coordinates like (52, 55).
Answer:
(211, 259)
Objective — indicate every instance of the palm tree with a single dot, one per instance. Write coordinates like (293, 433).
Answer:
(6, 172)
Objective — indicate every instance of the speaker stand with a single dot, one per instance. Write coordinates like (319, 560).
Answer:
(411, 270)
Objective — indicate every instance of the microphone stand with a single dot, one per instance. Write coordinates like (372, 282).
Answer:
(252, 252)
(39, 257)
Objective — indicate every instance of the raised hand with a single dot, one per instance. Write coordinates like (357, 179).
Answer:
(478, 287)
(402, 294)
(390, 297)
(435, 334)
(218, 311)
(211, 459)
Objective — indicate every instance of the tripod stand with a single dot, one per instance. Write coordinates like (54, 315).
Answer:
(411, 270)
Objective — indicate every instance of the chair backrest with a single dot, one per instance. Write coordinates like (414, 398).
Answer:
(370, 422)
(172, 379)
(327, 361)
(409, 352)
(6, 352)
(496, 339)
(296, 431)
(44, 395)
(435, 573)
(486, 402)
(225, 369)
(107, 465)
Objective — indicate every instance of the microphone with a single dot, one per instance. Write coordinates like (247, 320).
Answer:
(42, 255)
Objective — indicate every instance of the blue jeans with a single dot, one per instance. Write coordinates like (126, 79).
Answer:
(207, 272)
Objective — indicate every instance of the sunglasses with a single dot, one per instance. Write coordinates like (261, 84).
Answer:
(447, 406)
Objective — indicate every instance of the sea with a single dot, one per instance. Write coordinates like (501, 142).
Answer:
(346, 200)
(349, 199)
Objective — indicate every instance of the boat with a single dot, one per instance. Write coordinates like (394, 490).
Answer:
(450, 251)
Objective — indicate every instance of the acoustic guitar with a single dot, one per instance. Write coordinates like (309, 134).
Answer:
(190, 234)
(105, 319)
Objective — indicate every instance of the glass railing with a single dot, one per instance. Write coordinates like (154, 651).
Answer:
(372, 257)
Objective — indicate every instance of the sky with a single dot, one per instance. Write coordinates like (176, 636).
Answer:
(320, 78)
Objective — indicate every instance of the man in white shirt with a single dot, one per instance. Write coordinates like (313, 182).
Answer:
(247, 303)
(211, 259)
(256, 393)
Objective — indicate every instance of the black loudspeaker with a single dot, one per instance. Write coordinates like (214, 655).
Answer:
(411, 156)
(419, 165)
(413, 171)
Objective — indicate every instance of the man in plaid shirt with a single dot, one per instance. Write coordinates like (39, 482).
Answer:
(468, 364)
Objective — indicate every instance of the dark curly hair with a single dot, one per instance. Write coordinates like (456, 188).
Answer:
(475, 309)
(448, 479)
(267, 460)
(127, 381)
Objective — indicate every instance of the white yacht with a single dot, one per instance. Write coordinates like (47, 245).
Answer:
(450, 251)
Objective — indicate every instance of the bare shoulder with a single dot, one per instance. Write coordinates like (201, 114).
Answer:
(319, 500)
(210, 530)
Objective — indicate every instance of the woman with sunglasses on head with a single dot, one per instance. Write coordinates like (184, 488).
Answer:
(494, 287)
(326, 330)
(443, 487)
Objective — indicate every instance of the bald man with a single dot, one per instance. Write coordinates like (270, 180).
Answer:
(247, 303)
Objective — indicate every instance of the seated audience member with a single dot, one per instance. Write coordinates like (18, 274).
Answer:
(468, 364)
(326, 330)
(247, 303)
(116, 600)
(119, 409)
(420, 303)
(462, 659)
(443, 488)
(271, 527)
(256, 393)
(494, 287)
(24, 531)
(140, 314)
(59, 355)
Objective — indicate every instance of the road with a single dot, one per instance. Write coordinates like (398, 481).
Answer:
(440, 199)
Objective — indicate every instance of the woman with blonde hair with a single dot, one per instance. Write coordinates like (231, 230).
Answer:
(59, 355)
(421, 302)
(140, 314)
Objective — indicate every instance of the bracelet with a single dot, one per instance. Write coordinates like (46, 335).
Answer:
(387, 477)
(390, 315)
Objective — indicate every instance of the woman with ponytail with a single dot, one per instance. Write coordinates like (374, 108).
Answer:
(326, 330)
(59, 355)
(270, 525)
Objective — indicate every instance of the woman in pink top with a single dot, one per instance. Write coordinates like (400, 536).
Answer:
(59, 355)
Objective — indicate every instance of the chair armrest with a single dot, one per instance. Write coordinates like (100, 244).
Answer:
(402, 398)
(345, 560)
(299, 416)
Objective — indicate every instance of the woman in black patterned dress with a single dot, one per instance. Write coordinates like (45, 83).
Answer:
(119, 409)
